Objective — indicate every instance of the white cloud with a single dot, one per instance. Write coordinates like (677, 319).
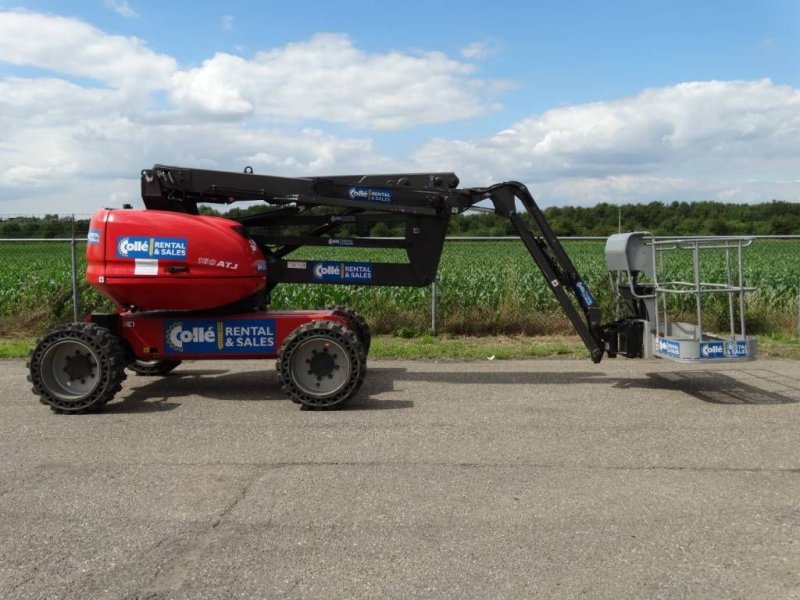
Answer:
(227, 22)
(69, 145)
(478, 50)
(121, 7)
(83, 167)
(689, 139)
(74, 48)
(327, 78)
(26, 103)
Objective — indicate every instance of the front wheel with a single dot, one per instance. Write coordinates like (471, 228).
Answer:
(77, 368)
(321, 364)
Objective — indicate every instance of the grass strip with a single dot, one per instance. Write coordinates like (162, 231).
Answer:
(16, 348)
(447, 347)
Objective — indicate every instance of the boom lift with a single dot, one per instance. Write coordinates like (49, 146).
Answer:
(192, 287)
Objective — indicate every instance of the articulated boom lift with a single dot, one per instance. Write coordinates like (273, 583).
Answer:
(189, 286)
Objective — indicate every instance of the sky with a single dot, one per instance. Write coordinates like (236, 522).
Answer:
(583, 101)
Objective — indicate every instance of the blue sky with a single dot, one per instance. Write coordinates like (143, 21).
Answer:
(585, 101)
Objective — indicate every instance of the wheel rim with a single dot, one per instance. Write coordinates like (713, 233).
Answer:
(148, 363)
(70, 370)
(320, 366)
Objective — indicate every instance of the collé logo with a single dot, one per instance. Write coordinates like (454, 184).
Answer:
(325, 271)
(132, 247)
(180, 337)
(151, 247)
(366, 194)
(353, 272)
(359, 193)
(223, 336)
(712, 350)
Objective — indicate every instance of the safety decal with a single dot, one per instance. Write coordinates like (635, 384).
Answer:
(145, 266)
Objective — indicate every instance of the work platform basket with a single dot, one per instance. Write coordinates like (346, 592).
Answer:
(666, 280)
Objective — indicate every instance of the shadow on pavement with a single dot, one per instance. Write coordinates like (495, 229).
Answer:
(708, 386)
(157, 394)
(716, 388)
(161, 393)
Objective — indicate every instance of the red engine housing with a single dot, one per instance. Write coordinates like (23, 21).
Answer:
(158, 260)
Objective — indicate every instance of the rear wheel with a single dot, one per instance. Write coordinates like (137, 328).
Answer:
(153, 367)
(321, 364)
(77, 368)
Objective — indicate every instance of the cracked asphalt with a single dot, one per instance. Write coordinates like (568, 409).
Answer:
(518, 479)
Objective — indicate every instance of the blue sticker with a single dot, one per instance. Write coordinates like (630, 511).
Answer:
(366, 194)
(712, 350)
(93, 237)
(332, 241)
(586, 295)
(219, 336)
(352, 272)
(151, 247)
(669, 347)
(737, 349)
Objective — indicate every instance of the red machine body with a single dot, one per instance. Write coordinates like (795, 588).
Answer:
(165, 271)
(159, 260)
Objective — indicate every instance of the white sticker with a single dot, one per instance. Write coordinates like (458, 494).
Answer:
(296, 264)
(145, 266)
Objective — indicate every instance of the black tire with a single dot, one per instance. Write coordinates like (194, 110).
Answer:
(153, 367)
(77, 368)
(358, 324)
(321, 364)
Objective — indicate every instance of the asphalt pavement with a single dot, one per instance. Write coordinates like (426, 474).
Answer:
(494, 479)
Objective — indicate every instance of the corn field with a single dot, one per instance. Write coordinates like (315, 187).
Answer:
(483, 288)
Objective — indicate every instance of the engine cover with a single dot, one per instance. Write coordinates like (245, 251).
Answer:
(159, 260)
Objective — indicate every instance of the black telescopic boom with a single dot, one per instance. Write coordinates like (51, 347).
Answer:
(549, 255)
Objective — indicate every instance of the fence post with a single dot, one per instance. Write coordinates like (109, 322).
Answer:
(797, 327)
(433, 308)
(74, 274)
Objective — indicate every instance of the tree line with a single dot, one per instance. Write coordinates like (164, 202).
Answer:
(674, 218)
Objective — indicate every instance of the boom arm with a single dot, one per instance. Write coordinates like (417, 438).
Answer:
(425, 201)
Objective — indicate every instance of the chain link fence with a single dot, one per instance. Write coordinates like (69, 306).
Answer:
(42, 265)
(42, 260)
